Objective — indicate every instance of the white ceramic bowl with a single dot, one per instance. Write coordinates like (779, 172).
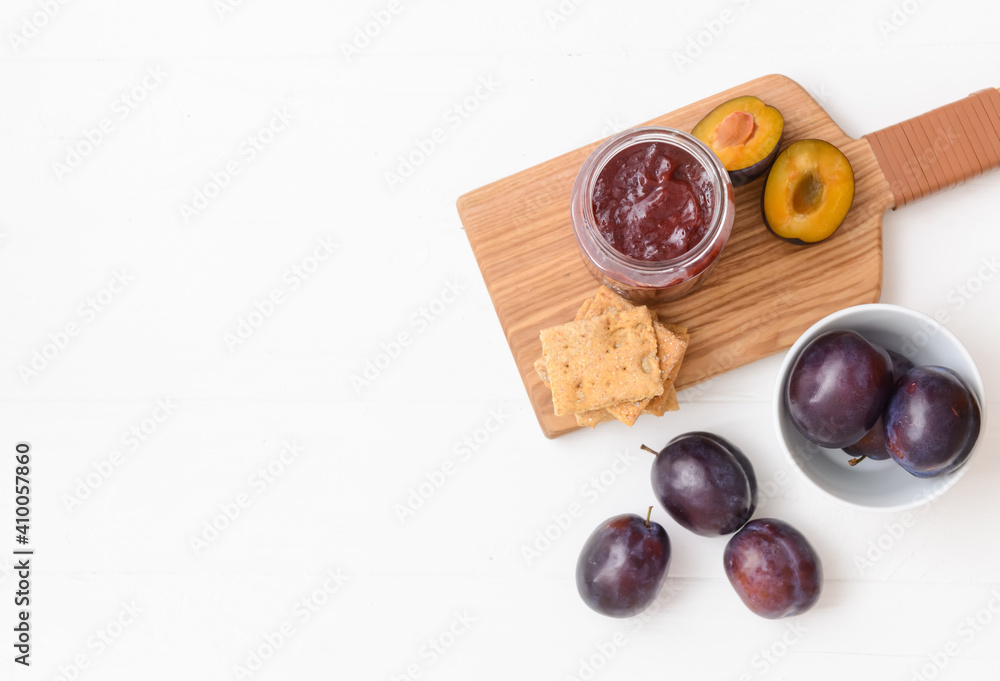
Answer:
(877, 485)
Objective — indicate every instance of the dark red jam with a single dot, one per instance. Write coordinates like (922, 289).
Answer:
(653, 201)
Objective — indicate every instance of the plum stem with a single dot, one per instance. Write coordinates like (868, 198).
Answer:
(855, 462)
(649, 514)
(651, 451)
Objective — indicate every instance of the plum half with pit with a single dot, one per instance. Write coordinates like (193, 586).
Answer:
(745, 134)
(932, 421)
(623, 565)
(773, 568)
(705, 483)
(837, 388)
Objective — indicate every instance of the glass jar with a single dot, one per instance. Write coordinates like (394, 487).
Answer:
(653, 280)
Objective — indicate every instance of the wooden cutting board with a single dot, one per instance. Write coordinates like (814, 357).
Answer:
(764, 292)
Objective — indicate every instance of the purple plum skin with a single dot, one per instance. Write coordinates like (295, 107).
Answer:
(623, 565)
(773, 568)
(932, 421)
(837, 388)
(872, 445)
(750, 173)
(900, 364)
(705, 483)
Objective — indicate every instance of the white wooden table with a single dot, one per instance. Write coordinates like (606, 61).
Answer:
(276, 430)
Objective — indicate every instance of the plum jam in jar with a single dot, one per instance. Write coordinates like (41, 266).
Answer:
(652, 208)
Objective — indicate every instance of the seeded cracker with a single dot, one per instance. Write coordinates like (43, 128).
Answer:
(603, 302)
(661, 404)
(670, 350)
(593, 417)
(587, 418)
(540, 369)
(600, 361)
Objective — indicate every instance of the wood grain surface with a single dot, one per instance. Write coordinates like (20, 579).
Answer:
(761, 296)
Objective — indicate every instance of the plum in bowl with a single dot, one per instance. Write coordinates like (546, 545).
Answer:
(877, 485)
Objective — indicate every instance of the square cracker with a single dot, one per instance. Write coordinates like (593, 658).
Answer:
(540, 369)
(600, 361)
(667, 401)
(605, 301)
(586, 418)
(670, 349)
(661, 404)
(593, 417)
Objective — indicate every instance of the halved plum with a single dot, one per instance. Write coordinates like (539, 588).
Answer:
(745, 134)
(808, 192)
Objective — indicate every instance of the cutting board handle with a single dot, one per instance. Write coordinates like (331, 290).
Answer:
(941, 148)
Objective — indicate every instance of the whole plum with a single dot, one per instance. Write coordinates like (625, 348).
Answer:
(932, 421)
(773, 569)
(837, 387)
(900, 364)
(705, 483)
(872, 445)
(623, 565)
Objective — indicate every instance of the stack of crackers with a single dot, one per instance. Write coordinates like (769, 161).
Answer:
(616, 360)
